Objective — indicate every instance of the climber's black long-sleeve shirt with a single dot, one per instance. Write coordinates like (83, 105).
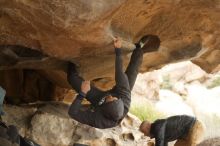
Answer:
(170, 129)
(97, 117)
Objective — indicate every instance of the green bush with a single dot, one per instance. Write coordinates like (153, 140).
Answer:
(145, 111)
(166, 84)
(215, 119)
(215, 83)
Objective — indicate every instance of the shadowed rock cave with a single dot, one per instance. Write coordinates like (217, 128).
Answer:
(38, 38)
(21, 75)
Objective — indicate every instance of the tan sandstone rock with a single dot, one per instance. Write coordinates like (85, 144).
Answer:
(46, 34)
(49, 125)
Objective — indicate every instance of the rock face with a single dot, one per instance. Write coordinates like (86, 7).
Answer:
(211, 142)
(173, 77)
(49, 125)
(46, 34)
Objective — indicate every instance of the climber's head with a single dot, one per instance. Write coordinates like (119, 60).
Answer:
(145, 128)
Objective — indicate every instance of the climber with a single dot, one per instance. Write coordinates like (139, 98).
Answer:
(187, 130)
(9, 135)
(111, 106)
(2, 96)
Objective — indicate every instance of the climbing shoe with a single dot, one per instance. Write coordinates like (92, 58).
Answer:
(149, 43)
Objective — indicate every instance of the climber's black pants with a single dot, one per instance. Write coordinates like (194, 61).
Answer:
(95, 94)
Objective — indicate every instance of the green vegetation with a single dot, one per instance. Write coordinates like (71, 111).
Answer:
(145, 111)
(184, 97)
(215, 119)
(166, 83)
(215, 82)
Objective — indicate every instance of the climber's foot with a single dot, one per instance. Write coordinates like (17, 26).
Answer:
(149, 43)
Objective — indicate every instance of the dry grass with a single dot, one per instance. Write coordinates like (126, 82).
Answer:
(145, 111)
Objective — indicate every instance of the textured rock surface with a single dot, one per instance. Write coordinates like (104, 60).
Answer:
(211, 142)
(67, 29)
(25, 86)
(81, 31)
(49, 125)
(173, 77)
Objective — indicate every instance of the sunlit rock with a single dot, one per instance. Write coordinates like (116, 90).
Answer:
(46, 34)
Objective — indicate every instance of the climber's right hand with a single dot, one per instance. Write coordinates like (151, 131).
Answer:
(85, 87)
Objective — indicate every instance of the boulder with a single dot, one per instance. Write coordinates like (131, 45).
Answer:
(210, 142)
(49, 125)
